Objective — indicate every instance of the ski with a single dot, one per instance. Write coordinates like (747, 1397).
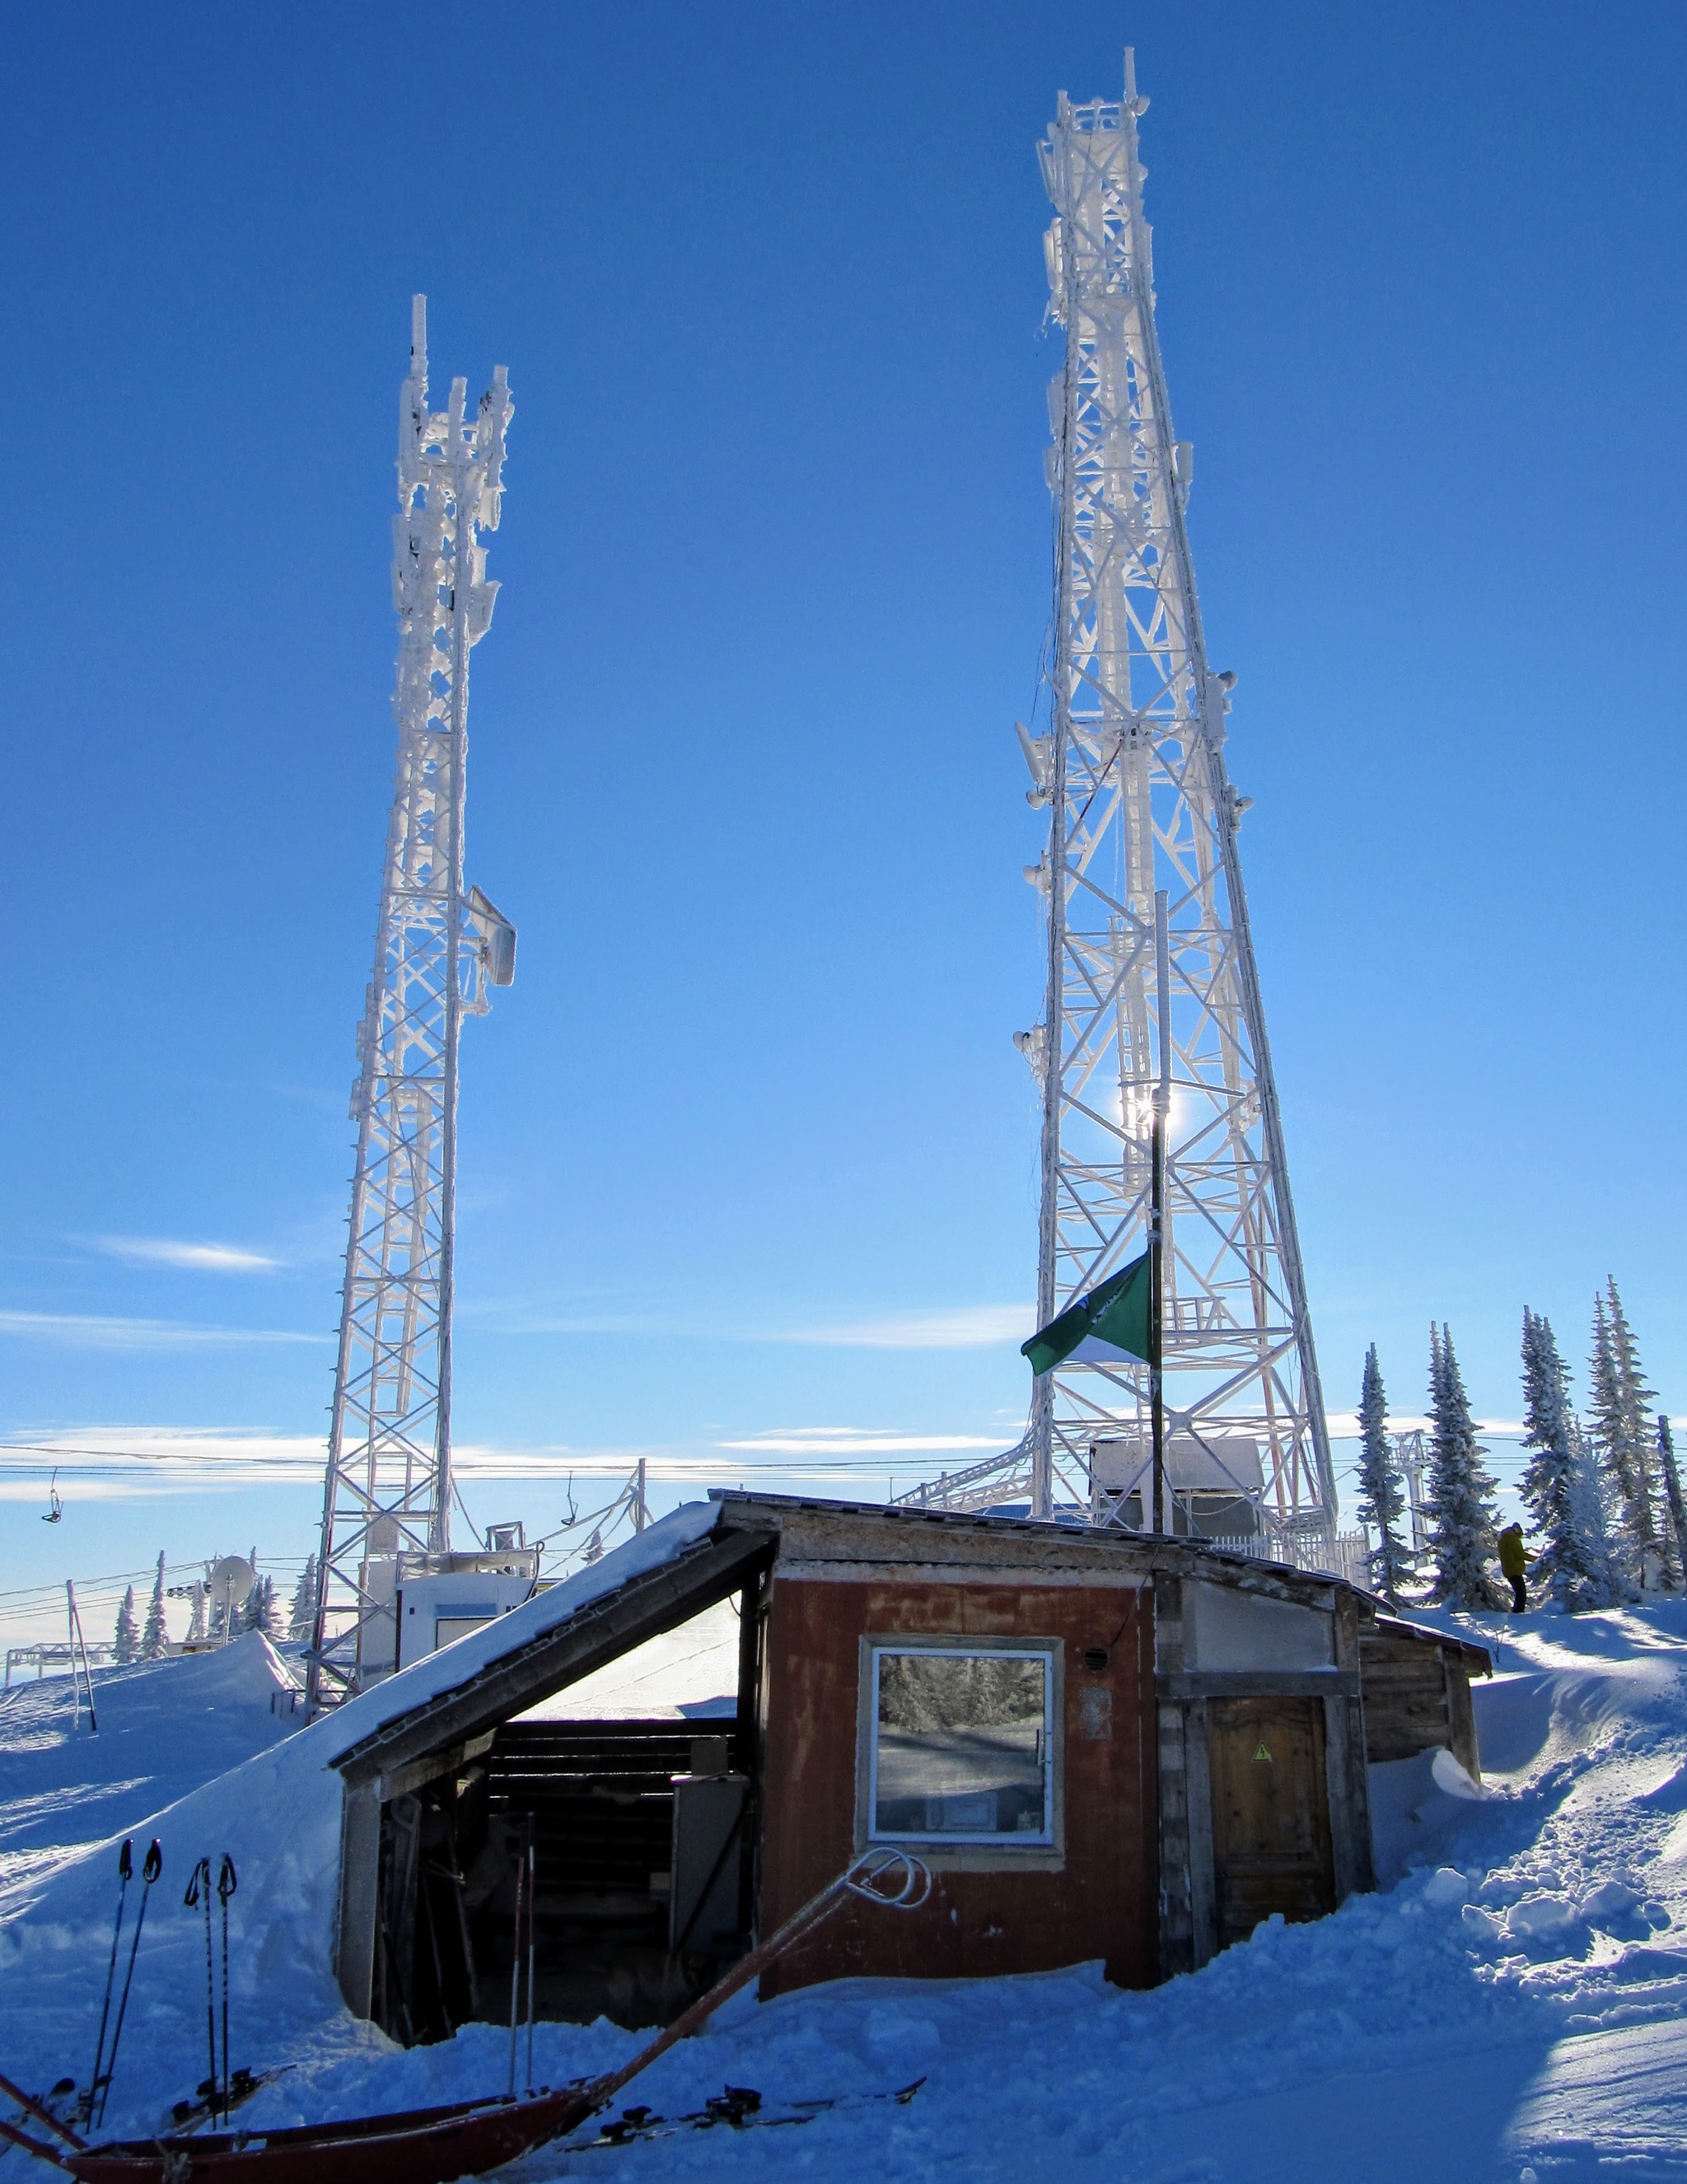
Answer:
(740, 2108)
(186, 2116)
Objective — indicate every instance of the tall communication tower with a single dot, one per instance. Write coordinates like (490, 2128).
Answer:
(437, 951)
(1153, 994)
(1153, 1007)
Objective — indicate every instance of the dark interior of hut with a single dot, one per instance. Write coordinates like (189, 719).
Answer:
(638, 1836)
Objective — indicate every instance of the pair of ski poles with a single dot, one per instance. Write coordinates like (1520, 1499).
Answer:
(199, 1890)
(99, 2085)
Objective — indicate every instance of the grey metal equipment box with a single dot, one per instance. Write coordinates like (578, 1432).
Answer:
(703, 1911)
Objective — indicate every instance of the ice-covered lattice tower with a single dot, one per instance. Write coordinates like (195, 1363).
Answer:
(1132, 771)
(1153, 996)
(437, 950)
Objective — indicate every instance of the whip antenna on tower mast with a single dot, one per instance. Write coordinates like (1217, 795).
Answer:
(438, 948)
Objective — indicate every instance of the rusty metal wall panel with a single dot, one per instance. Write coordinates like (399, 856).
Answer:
(1103, 1899)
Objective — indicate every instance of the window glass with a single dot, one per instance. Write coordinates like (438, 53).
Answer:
(961, 1745)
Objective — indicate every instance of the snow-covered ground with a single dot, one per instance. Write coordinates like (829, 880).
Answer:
(165, 1727)
(1514, 2000)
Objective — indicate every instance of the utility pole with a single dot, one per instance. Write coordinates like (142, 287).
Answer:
(1159, 1107)
(438, 951)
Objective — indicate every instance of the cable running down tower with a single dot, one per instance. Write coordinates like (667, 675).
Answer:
(438, 951)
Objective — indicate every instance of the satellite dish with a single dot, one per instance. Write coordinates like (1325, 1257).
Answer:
(231, 1580)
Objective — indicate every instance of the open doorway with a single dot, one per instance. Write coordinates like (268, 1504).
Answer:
(637, 1789)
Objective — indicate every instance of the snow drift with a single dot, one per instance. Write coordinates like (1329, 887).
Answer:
(1517, 1998)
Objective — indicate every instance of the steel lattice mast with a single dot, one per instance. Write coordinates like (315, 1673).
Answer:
(1142, 807)
(436, 948)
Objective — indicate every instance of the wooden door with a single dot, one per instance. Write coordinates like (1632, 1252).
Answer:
(1270, 1813)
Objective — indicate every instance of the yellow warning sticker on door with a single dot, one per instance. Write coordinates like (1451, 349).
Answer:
(1262, 1753)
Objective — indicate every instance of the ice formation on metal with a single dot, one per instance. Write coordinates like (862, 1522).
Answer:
(1132, 771)
(437, 949)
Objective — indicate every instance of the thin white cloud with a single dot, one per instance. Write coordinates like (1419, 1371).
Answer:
(964, 1327)
(967, 1327)
(82, 1330)
(1343, 1425)
(856, 1440)
(197, 1258)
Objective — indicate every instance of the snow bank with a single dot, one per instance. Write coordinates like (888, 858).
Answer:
(277, 1815)
(165, 1727)
(1519, 1997)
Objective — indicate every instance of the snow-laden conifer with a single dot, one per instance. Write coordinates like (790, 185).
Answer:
(1621, 1423)
(1460, 1492)
(301, 1619)
(1382, 1500)
(1593, 1520)
(154, 1635)
(1574, 1563)
(1672, 1487)
(196, 1620)
(125, 1643)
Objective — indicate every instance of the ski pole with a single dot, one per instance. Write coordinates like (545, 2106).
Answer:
(149, 1873)
(227, 1884)
(515, 1972)
(532, 1905)
(125, 1866)
(202, 1872)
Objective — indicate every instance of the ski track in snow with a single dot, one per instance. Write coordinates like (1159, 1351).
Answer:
(1516, 2000)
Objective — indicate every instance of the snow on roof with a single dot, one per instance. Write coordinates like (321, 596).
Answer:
(462, 1662)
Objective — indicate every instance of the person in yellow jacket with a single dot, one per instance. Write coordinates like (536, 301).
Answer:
(1514, 1561)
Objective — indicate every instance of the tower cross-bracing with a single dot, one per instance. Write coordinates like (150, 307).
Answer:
(1152, 986)
(1153, 1001)
(436, 949)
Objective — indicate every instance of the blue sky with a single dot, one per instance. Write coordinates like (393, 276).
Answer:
(748, 1157)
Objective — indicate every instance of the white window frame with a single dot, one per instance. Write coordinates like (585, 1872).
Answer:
(1050, 1652)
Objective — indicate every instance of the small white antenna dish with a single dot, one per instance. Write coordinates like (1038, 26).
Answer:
(231, 1580)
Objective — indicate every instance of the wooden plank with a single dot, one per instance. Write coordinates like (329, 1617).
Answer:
(1257, 1683)
(1203, 1925)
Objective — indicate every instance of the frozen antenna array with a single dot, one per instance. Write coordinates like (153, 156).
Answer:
(437, 949)
(1142, 863)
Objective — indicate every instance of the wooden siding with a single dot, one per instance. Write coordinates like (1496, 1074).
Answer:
(1416, 1692)
(992, 1910)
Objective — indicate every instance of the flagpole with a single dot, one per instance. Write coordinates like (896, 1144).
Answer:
(1162, 1107)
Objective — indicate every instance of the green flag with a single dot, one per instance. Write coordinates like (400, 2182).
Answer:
(1110, 1320)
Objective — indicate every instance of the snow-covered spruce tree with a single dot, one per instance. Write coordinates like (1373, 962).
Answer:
(1593, 1520)
(1460, 1492)
(268, 1615)
(1382, 1500)
(301, 1619)
(1671, 1486)
(1638, 1400)
(196, 1621)
(1571, 1565)
(252, 1614)
(154, 1636)
(1621, 1407)
(126, 1639)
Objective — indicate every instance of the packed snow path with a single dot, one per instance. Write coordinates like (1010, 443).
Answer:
(165, 1727)
(1518, 2001)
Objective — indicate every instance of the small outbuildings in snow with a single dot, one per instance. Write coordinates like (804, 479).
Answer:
(1102, 1744)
